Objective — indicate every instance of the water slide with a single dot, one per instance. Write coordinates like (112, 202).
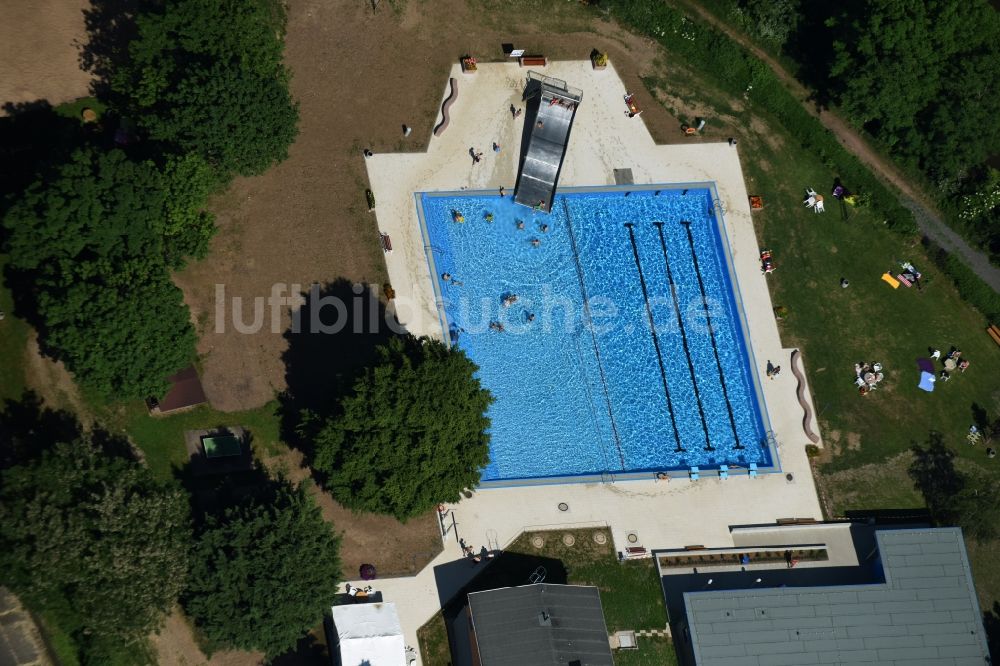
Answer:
(548, 129)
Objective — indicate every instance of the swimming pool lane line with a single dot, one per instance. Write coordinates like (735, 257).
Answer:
(652, 333)
(680, 325)
(711, 332)
(593, 338)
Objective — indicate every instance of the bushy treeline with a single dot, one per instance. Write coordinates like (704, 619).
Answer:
(102, 549)
(197, 95)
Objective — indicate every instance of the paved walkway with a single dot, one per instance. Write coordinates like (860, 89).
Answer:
(20, 642)
(662, 514)
(929, 220)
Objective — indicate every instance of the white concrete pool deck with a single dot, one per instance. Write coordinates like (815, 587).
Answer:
(663, 514)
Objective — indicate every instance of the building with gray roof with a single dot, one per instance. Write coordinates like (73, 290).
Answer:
(909, 601)
(539, 625)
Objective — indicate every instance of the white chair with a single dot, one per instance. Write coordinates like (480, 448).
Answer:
(818, 207)
(810, 199)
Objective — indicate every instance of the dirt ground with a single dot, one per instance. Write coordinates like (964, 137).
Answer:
(53, 382)
(174, 645)
(39, 49)
(363, 537)
(358, 77)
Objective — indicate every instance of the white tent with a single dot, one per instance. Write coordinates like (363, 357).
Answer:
(369, 635)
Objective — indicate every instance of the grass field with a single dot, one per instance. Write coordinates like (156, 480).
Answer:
(162, 438)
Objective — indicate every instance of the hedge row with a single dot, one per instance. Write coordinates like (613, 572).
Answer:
(970, 286)
(742, 74)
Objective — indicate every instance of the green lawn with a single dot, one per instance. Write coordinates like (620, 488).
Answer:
(630, 592)
(433, 639)
(161, 438)
(75, 108)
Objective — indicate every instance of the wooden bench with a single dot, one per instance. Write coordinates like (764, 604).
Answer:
(534, 61)
(994, 332)
(635, 552)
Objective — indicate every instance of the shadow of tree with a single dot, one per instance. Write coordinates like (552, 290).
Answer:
(308, 652)
(935, 476)
(110, 26)
(991, 622)
(333, 337)
(213, 494)
(28, 429)
(34, 140)
(811, 47)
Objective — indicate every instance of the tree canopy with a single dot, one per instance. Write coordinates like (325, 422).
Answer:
(121, 337)
(262, 570)
(93, 539)
(92, 241)
(409, 435)
(771, 20)
(207, 77)
(920, 76)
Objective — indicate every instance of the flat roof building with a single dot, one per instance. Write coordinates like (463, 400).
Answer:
(367, 635)
(920, 608)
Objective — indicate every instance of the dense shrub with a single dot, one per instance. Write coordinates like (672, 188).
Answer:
(207, 77)
(91, 242)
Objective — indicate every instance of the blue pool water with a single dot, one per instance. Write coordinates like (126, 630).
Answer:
(579, 386)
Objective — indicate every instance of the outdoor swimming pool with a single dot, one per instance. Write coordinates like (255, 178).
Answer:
(582, 384)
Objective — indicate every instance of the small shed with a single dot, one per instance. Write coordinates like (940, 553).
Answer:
(367, 635)
(185, 391)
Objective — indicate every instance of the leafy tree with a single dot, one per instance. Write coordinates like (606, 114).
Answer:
(188, 226)
(920, 76)
(771, 20)
(411, 433)
(207, 77)
(90, 241)
(122, 337)
(262, 571)
(95, 540)
(100, 210)
(241, 123)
